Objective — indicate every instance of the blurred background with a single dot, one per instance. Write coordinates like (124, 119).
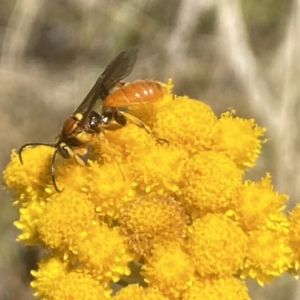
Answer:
(230, 54)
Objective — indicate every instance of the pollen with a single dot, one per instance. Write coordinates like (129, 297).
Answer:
(71, 176)
(28, 222)
(103, 253)
(77, 286)
(152, 220)
(136, 292)
(110, 187)
(51, 270)
(269, 255)
(120, 144)
(170, 269)
(31, 177)
(258, 205)
(65, 218)
(213, 181)
(227, 240)
(238, 138)
(159, 169)
(225, 288)
(186, 123)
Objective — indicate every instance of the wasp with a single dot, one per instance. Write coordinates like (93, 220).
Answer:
(78, 129)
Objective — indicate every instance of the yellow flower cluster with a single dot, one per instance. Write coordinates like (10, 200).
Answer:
(150, 219)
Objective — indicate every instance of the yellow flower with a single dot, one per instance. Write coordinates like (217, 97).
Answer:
(167, 198)
(28, 222)
(216, 245)
(170, 269)
(150, 165)
(51, 270)
(70, 176)
(237, 138)
(102, 253)
(65, 218)
(135, 292)
(77, 286)
(110, 187)
(186, 123)
(269, 255)
(159, 169)
(258, 205)
(118, 145)
(225, 288)
(30, 178)
(150, 220)
(213, 180)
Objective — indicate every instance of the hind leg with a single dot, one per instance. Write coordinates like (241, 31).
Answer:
(129, 117)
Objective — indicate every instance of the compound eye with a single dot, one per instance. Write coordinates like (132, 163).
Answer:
(64, 151)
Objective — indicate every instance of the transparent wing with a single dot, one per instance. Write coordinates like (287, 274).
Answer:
(119, 68)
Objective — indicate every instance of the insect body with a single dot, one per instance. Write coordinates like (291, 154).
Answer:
(77, 130)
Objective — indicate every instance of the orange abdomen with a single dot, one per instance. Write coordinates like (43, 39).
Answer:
(137, 92)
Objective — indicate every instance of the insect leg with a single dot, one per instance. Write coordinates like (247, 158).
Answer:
(141, 124)
(69, 153)
(79, 160)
